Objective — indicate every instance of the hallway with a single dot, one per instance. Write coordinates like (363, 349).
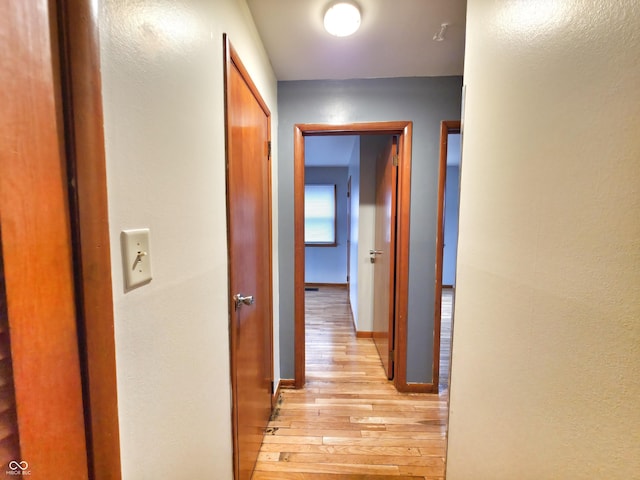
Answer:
(349, 422)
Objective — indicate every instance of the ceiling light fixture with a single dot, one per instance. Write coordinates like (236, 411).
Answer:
(342, 19)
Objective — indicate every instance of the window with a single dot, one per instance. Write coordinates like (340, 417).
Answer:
(320, 215)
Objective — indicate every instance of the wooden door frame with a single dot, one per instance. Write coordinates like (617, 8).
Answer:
(349, 213)
(75, 63)
(232, 59)
(446, 127)
(404, 131)
(84, 126)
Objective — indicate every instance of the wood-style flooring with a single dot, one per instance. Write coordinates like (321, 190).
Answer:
(445, 339)
(349, 422)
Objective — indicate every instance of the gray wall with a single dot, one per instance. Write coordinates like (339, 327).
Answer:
(425, 101)
(329, 264)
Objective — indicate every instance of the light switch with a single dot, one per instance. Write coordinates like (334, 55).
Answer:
(136, 257)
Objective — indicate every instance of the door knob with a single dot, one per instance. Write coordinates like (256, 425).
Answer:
(373, 254)
(240, 300)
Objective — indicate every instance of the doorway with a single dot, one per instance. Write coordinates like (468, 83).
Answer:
(356, 173)
(448, 195)
(403, 131)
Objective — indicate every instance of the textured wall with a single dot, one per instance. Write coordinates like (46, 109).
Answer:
(164, 125)
(425, 101)
(546, 342)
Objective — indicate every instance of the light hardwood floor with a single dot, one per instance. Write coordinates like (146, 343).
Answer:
(445, 339)
(349, 422)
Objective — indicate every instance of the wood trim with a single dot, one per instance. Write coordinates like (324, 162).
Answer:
(420, 388)
(446, 127)
(82, 93)
(402, 257)
(298, 274)
(349, 207)
(361, 128)
(283, 384)
(332, 285)
(404, 130)
(353, 317)
(286, 383)
(364, 334)
(232, 358)
(270, 200)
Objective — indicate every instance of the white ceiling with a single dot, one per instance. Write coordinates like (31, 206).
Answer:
(395, 39)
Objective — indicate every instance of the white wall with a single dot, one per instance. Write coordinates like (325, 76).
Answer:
(354, 173)
(162, 66)
(546, 341)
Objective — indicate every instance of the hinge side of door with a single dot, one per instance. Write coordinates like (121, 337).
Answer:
(272, 388)
(395, 159)
(269, 150)
(392, 356)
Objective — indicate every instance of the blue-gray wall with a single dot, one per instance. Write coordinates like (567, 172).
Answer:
(426, 102)
(451, 201)
(329, 264)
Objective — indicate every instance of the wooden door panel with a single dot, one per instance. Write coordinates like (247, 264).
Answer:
(37, 248)
(249, 219)
(349, 237)
(384, 264)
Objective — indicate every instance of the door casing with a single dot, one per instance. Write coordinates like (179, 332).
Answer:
(403, 129)
(446, 127)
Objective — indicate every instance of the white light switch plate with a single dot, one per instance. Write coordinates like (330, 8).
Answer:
(136, 257)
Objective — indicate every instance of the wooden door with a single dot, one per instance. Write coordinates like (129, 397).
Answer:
(249, 237)
(383, 255)
(37, 249)
(349, 236)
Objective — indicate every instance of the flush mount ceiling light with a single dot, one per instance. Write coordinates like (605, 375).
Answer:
(342, 19)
